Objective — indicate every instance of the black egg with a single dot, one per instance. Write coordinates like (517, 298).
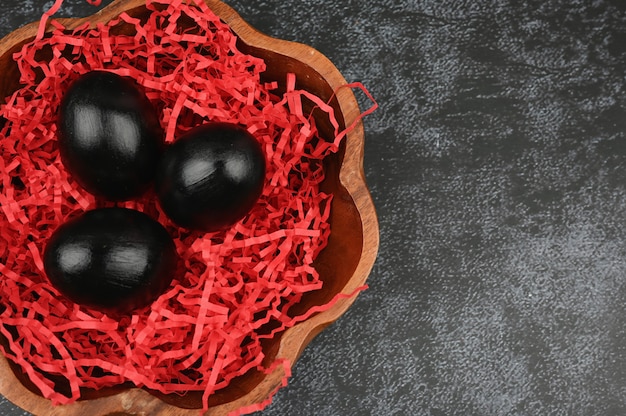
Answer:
(211, 177)
(113, 259)
(110, 138)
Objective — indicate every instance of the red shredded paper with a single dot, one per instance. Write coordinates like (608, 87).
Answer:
(206, 328)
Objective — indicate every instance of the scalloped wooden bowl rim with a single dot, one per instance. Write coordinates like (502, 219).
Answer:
(351, 176)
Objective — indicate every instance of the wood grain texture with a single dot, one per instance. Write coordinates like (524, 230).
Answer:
(344, 265)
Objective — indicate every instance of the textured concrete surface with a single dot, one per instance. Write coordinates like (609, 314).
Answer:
(497, 164)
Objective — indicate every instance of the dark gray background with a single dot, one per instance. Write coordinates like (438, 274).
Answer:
(497, 164)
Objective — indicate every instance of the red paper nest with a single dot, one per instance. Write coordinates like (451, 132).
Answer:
(207, 328)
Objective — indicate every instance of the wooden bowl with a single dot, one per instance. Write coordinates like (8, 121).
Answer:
(343, 266)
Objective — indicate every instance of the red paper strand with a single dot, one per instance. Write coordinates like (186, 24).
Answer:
(206, 329)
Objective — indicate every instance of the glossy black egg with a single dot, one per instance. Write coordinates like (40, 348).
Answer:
(113, 259)
(211, 177)
(110, 138)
